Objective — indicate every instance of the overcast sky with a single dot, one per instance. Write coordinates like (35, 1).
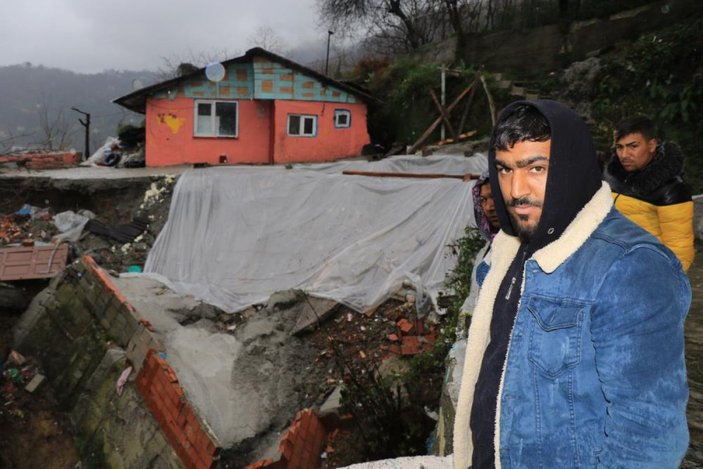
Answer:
(90, 36)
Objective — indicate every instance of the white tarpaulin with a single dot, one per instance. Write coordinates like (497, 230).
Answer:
(235, 235)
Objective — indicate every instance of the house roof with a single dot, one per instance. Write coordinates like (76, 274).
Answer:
(136, 101)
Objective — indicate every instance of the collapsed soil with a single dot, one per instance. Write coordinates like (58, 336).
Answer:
(348, 344)
(32, 431)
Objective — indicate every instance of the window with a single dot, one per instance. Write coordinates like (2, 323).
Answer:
(216, 118)
(342, 118)
(302, 126)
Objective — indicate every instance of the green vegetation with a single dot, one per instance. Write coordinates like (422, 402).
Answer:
(408, 110)
(390, 412)
(659, 75)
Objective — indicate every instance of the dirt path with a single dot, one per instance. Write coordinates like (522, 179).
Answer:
(694, 360)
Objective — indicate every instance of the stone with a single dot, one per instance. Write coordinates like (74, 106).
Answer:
(11, 298)
(35, 382)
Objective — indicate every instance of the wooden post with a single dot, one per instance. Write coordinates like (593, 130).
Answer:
(434, 125)
(491, 105)
(443, 113)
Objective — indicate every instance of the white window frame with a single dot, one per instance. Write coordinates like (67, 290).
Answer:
(342, 112)
(303, 118)
(213, 118)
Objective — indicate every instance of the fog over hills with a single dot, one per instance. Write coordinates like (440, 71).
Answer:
(34, 96)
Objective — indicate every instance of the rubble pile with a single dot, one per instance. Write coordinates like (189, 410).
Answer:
(26, 226)
(116, 247)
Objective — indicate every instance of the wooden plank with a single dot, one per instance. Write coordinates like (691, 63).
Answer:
(463, 177)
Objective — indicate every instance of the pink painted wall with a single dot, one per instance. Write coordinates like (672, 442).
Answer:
(170, 140)
(330, 143)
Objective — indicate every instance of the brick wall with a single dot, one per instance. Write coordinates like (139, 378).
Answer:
(49, 160)
(301, 445)
(159, 386)
(157, 383)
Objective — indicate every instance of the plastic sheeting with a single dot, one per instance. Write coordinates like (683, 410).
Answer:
(235, 235)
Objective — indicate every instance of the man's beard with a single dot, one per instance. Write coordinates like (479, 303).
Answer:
(523, 231)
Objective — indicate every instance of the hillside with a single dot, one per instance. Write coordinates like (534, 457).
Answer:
(31, 92)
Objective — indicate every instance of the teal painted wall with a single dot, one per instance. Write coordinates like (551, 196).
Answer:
(238, 83)
(275, 81)
(261, 79)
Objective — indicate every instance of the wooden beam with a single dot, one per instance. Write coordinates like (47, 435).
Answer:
(491, 105)
(434, 125)
(469, 101)
(442, 112)
(463, 177)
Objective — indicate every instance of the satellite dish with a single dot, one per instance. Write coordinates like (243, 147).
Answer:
(137, 84)
(215, 71)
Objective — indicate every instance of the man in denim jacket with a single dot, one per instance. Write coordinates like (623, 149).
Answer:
(575, 354)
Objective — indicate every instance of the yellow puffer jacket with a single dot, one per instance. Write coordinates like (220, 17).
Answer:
(671, 224)
(657, 199)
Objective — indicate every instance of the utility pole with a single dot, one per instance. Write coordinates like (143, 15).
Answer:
(85, 124)
(327, 57)
(443, 97)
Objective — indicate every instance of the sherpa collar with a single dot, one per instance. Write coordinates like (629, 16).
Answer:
(504, 250)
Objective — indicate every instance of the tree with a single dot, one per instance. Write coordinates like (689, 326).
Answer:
(399, 25)
(56, 130)
(266, 38)
(395, 22)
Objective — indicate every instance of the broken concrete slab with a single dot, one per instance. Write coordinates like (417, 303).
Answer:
(333, 403)
(312, 312)
(245, 384)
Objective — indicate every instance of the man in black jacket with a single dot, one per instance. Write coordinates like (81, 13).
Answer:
(645, 178)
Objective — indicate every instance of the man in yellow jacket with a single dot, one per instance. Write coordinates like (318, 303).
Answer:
(645, 178)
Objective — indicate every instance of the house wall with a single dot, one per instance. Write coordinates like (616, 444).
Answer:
(272, 80)
(267, 92)
(330, 143)
(170, 140)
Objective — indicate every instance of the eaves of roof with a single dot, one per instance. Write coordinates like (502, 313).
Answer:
(136, 100)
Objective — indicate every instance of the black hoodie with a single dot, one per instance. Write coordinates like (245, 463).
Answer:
(573, 178)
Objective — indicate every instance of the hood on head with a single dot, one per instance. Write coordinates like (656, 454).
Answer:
(573, 177)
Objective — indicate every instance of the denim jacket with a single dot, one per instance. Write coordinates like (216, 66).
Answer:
(595, 373)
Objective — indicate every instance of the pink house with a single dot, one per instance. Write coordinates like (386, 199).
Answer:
(259, 108)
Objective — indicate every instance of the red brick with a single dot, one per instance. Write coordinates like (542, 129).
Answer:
(406, 327)
(286, 448)
(206, 444)
(173, 412)
(171, 375)
(295, 461)
(191, 433)
(393, 337)
(183, 416)
(211, 448)
(204, 459)
(410, 345)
